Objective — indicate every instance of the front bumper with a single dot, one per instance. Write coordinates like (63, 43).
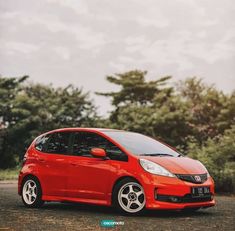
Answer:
(172, 193)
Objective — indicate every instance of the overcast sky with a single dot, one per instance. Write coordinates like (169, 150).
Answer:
(82, 41)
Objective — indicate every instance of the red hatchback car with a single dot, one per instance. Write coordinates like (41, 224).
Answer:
(112, 167)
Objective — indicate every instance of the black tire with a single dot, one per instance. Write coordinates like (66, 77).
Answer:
(115, 195)
(37, 201)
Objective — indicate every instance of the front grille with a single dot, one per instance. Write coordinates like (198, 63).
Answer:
(185, 199)
(196, 178)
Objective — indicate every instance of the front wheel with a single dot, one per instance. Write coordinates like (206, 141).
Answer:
(129, 196)
(31, 193)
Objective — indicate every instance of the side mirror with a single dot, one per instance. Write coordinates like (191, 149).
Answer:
(98, 152)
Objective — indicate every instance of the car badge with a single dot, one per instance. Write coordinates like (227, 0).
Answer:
(197, 178)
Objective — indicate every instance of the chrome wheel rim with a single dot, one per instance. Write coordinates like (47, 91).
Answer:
(131, 197)
(29, 192)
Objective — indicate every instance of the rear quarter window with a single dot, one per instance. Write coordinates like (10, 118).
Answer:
(57, 143)
(40, 143)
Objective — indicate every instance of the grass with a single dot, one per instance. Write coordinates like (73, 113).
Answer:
(9, 174)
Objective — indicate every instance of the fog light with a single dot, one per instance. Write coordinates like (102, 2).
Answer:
(174, 199)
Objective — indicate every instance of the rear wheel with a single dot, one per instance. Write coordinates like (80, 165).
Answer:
(129, 196)
(31, 193)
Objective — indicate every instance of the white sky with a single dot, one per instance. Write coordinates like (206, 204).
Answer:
(82, 41)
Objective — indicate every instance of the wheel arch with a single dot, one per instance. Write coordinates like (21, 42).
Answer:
(29, 176)
(120, 179)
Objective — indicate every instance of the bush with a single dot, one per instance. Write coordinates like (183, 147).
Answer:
(218, 155)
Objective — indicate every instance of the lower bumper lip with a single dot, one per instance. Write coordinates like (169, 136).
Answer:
(183, 199)
(179, 206)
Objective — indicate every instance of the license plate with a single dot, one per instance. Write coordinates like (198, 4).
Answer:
(200, 191)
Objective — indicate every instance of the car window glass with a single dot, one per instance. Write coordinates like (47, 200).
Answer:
(85, 141)
(58, 143)
(139, 144)
(41, 142)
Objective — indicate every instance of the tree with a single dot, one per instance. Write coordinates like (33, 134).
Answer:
(134, 88)
(36, 108)
(135, 91)
(210, 110)
(9, 88)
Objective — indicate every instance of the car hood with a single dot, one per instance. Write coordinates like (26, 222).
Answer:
(179, 165)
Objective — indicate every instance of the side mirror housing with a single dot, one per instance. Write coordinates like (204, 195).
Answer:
(98, 152)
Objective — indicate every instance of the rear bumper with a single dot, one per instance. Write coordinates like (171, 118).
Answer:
(160, 190)
(20, 178)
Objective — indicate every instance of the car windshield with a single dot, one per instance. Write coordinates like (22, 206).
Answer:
(139, 144)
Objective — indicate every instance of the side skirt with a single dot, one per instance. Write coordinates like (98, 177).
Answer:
(71, 199)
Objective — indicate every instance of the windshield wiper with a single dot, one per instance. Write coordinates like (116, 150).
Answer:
(156, 154)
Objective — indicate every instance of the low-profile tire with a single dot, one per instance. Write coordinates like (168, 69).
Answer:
(129, 196)
(31, 192)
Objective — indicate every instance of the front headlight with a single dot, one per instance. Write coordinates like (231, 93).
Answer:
(154, 168)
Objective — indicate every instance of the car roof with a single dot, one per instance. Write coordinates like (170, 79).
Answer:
(86, 129)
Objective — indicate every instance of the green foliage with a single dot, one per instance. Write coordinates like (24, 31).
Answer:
(30, 109)
(134, 88)
(210, 111)
(196, 118)
(218, 155)
(9, 174)
(9, 89)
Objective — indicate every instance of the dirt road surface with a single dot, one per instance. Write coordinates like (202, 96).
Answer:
(60, 217)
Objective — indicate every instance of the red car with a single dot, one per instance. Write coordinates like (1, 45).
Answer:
(112, 167)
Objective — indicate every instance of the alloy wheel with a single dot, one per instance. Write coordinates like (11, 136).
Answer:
(131, 197)
(29, 192)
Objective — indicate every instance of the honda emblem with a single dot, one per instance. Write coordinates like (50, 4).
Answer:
(197, 178)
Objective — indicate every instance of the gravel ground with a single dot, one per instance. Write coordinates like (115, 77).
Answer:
(60, 217)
